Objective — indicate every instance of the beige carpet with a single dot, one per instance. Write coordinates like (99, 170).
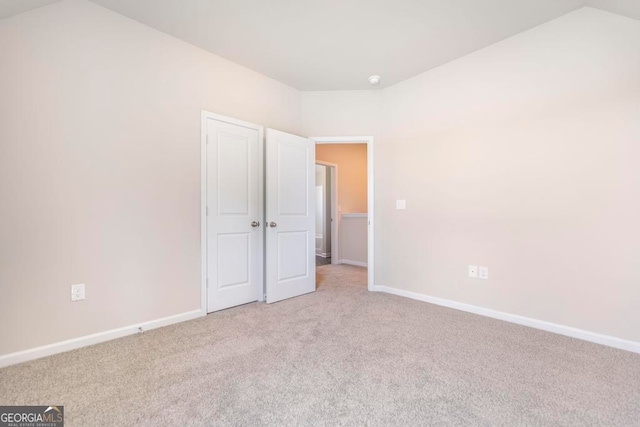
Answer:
(340, 356)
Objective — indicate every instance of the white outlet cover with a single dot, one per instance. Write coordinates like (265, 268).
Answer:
(473, 271)
(401, 204)
(483, 273)
(77, 292)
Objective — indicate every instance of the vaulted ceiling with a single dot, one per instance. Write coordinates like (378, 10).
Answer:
(13, 7)
(338, 44)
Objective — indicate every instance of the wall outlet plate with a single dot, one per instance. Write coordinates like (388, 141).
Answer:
(483, 273)
(401, 204)
(473, 271)
(77, 292)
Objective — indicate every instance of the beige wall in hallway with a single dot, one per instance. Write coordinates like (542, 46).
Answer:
(100, 168)
(352, 196)
(352, 173)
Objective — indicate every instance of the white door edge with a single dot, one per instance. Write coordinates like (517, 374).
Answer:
(333, 168)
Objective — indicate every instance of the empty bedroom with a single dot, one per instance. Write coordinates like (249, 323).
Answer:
(341, 212)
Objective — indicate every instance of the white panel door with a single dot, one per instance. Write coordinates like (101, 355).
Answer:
(290, 216)
(234, 213)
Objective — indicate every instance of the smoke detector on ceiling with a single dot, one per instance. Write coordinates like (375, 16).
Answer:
(374, 80)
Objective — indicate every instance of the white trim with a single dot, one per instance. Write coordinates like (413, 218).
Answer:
(555, 328)
(205, 115)
(75, 343)
(354, 215)
(370, 193)
(333, 169)
(349, 262)
(203, 211)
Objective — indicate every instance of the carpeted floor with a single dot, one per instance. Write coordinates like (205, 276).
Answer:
(339, 356)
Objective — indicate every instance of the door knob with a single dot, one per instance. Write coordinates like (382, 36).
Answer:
(255, 224)
(273, 224)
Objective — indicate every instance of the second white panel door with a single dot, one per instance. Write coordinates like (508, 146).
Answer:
(290, 216)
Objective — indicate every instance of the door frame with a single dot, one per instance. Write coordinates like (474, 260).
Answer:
(206, 115)
(333, 168)
(370, 195)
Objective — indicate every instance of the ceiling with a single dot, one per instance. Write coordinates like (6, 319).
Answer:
(13, 7)
(338, 44)
(630, 8)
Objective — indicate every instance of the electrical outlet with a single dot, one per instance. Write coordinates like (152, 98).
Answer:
(473, 271)
(401, 204)
(483, 273)
(77, 292)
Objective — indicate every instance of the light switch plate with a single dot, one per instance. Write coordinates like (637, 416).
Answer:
(401, 204)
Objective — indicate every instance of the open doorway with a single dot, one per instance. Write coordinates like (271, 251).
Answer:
(344, 202)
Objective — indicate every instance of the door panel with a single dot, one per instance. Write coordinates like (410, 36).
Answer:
(292, 168)
(290, 214)
(234, 259)
(233, 174)
(292, 248)
(234, 246)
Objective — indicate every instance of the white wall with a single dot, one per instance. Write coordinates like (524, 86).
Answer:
(353, 239)
(521, 157)
(344, 113)
(100, 168)
(350, 113)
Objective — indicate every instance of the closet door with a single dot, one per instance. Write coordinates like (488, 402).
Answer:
(234, 211)
(290, 216)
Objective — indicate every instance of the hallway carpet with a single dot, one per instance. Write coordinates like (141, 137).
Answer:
(339, 356)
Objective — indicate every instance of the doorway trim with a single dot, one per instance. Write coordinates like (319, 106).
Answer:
(206, 115)
(370, 195)
(333, 168)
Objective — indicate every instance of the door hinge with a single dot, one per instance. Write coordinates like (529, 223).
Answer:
(207, 209)
(207, 282)
(207, 138)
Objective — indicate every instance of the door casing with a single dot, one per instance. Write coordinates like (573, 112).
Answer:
(370, 194)
(318, 140)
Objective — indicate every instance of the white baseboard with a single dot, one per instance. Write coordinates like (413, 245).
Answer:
(347, 261)
(569, 331)
(72, 344)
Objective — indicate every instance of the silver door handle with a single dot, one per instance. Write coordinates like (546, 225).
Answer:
(273, 224)
(255, 224)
